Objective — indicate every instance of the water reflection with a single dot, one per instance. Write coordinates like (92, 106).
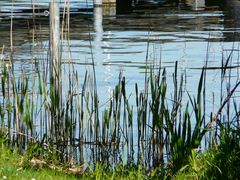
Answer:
(124, 6)
(98, 28)
(232, 9)
(109, 9)
(196, 4)
(176, 30)
(102, 55)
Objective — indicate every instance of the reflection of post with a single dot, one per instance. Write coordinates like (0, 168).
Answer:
(196, 4)
(107, 60)
(98, 20)
(98, 51)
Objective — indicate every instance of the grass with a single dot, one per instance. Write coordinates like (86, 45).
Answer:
(218, 162)
(11, 172)
(15, 166)
(12, 167)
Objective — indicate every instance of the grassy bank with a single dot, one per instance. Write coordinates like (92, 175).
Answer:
(218, 162)
(15, 166)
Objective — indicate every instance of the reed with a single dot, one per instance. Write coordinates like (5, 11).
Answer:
(38, 114)
(70, 130)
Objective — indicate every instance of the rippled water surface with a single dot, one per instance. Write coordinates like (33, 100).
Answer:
(123, 38)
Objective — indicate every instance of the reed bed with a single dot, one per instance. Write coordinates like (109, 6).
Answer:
(163, 131)
(41, 117)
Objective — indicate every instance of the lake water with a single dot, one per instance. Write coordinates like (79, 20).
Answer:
(175, 31)
(118, 39)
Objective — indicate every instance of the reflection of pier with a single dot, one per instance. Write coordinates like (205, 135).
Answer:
(157, 22)
(233, 8)
(232, 19)
(160, 20)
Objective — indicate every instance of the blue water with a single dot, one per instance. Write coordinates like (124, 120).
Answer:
(119, 42)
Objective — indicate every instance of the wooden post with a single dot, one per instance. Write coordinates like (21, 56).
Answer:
(54, 39)
(55, 69)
